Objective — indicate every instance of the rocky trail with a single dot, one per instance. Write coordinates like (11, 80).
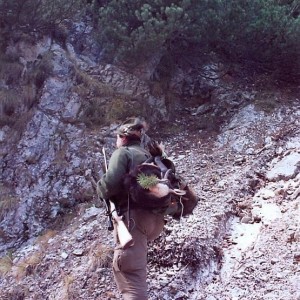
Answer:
(241, 243)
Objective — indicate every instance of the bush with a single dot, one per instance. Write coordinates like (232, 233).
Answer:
(133, 30)
(264, 34)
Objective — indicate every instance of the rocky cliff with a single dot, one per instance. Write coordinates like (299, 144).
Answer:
(235, 141)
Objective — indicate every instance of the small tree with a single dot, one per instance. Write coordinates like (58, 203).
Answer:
(133, 30)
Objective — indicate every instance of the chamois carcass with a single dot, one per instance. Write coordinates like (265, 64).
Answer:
(154, 185)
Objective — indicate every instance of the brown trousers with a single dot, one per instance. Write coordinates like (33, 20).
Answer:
(130, 265)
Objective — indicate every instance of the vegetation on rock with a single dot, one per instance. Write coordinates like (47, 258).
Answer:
(263, 34)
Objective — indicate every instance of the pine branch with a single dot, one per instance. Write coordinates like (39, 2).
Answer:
(146, 181)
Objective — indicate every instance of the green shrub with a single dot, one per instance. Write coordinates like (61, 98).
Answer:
(134, 30)
(264, 34)
(259, 33)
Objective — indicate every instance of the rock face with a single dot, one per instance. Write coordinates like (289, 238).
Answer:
(46, 170)
(242, 242)
(286, 168)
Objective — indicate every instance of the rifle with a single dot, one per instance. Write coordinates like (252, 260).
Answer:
(125, 238)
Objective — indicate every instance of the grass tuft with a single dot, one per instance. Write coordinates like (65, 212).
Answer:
(100, 256)
(5, 265)
(27, 266)
(8, 203)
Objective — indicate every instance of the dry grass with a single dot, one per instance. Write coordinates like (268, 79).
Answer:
(16, 101)
(90, 86)
(93, 112)
(19, 91)
(118, 109)
(156, 89)
(15, 106)
(102, 103)
(100, 256)
(6, 264)
(20, 124)
(60, 157)
(43, 239)
(27, 266)
(16, 292)
(121, 107)
(67, 283)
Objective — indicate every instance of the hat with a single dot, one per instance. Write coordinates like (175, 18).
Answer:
(131, 127)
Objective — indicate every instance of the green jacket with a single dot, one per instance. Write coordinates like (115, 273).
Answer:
(110, 186)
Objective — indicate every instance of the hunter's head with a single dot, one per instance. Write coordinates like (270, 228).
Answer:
(131, 130)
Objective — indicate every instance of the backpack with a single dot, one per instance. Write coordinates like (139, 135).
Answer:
(154, 185)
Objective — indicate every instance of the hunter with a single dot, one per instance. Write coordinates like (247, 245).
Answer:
(130, 265)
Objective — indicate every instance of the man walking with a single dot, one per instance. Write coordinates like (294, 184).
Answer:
(130, 265)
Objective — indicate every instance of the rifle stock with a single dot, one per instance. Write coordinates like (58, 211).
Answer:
(124, 236)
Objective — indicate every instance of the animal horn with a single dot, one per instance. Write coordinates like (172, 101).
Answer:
(178, 192)
(167, 173)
